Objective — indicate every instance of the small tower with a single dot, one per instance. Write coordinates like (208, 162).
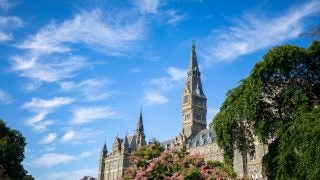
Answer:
(140, 136)
(194, 101)
(103, 155)
(116, 147)
(125, 145)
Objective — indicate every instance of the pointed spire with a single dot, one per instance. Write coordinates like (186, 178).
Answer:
(125, 144)
(104, 151)
(193, 58)
(140, 122)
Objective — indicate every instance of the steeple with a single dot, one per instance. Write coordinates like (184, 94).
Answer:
(140, 123)
(194, 108)
(104, 151)
(193, 58)
(140, 136)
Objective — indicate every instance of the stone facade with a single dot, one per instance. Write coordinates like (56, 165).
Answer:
(194, 135)
(113, 165)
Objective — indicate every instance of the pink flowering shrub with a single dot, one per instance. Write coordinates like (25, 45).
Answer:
(174, 165)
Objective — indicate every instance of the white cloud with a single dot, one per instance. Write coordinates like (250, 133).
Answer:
(81, 136)
(49, 138)
(68, 136)
(251, 33)
(47, 68)
(154, 95)
(113, 38)
(87, 115)
(5, 98)
(154, 98)
(6, 23)
(173, 17)
(91, 89)
(37, 104)
(147, 6)
(52, 159)
(47, 54)
(42, 107)
(73, 175)
(168, 82)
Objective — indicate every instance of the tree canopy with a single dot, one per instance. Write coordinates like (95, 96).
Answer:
(12, 145)
(279, 103)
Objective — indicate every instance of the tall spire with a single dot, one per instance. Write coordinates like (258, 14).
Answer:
(193, 58)
(140, 136)
(140, 122)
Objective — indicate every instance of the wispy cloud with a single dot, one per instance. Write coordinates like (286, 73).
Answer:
(73, 175)
(80, 136)
(47, 68)
(110, 37)
(54, 159)
(147, 6)
(252, 32)
(47, 55)
(5, 98)
(37, 104)
(49, 138)
(89, 114)
(91, 89)
(41, 108)
(174, 16)
(156, 88)
(7, 23)
(154, 98)
(174, 76)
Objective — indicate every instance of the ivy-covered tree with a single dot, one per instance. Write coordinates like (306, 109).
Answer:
(12, 145)
(277, 102)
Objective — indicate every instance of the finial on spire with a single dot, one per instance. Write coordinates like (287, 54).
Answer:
(193, 44)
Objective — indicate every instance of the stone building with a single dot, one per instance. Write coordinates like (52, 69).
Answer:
(194, 135)
(113, 165)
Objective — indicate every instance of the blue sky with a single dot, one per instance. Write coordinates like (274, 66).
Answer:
(74, 73)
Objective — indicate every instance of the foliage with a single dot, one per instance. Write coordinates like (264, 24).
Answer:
(278, 102)
(176, 164)
(12, 145)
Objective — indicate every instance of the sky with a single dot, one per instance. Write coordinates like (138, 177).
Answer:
(74, 74)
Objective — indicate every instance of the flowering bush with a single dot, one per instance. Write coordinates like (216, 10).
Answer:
(175, 164)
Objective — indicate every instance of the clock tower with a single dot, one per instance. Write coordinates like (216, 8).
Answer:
(194, 101)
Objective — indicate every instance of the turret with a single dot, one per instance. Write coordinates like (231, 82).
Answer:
(116, 147)
(103, 155)
(125, 145)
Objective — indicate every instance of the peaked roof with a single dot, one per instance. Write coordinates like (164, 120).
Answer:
(193, 64)
(140, 123)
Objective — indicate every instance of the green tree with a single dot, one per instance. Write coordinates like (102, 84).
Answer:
(233, 127)
(279, 103)
(12, 145)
